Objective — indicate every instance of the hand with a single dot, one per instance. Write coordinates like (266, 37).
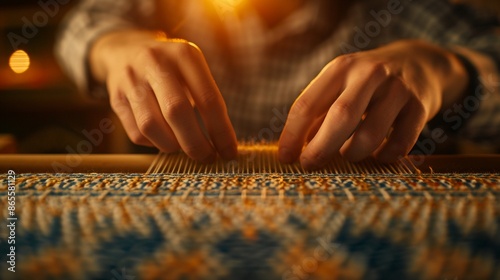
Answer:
(371, 103)
(154, 85)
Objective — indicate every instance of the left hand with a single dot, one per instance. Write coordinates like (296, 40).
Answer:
(371, 103)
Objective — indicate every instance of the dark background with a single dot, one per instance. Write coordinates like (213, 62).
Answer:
(40, 109)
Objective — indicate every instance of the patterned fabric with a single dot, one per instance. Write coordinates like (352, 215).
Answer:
(253, 219)
(261, 71)
(265, 226)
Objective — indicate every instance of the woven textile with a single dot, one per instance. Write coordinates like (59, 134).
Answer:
(234, 224)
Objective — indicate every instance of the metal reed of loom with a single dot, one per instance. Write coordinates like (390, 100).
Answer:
(254, 218)
(263, 159)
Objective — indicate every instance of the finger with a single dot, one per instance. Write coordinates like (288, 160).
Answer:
(178, 112)
(379, 118)
(314, 102)
(122, 109)
(208, 99)
(315, 127)
(343, 117)
(148, 117)
(406, 130)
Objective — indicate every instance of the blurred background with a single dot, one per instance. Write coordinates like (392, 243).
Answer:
(41, 110)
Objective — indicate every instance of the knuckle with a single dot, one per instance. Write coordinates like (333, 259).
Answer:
(343, 109)
(207, 97)
(127, 73)
(174, 108)
(147, 124)
(345, 60)
(148, 53)
(377, 70)
(118, 108)
(139, 92)
(118, 102)
(142, 91)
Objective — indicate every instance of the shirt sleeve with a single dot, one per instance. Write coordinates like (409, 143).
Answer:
(456, 27)
(84, 24)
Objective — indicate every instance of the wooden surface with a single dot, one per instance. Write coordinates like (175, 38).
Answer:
(7, 144)
(141, 163)
(75, 163)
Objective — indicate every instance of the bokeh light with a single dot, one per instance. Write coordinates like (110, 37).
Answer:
(19, 61)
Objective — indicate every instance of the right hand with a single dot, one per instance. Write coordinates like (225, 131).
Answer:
(153, 87)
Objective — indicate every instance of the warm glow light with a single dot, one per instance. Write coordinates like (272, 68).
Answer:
(161, 36)
(19, 61)
(224, 6)
(227, 2)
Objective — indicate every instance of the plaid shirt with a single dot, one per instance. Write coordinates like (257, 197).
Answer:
(261, 71)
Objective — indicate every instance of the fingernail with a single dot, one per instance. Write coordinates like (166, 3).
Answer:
(285, 155)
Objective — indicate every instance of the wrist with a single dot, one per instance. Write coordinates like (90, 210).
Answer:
(459, 79)
(443, 71)
(453, 109)
(112, 48)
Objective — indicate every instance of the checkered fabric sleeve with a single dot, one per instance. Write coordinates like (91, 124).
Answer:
(82, 26)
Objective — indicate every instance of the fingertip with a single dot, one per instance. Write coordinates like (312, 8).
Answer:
(316, 156)
(390, 153)
(311, 161)
(224, 141)
(230, 152)
(347, 152)
(288, 149)
(210, 158)
(309, 164)
(147, 144)
(386, 157)
(168, 149)
(352, 156)
(285, 155)
(226, 145)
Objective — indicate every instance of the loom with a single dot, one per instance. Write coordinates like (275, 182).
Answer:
(168, 217)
